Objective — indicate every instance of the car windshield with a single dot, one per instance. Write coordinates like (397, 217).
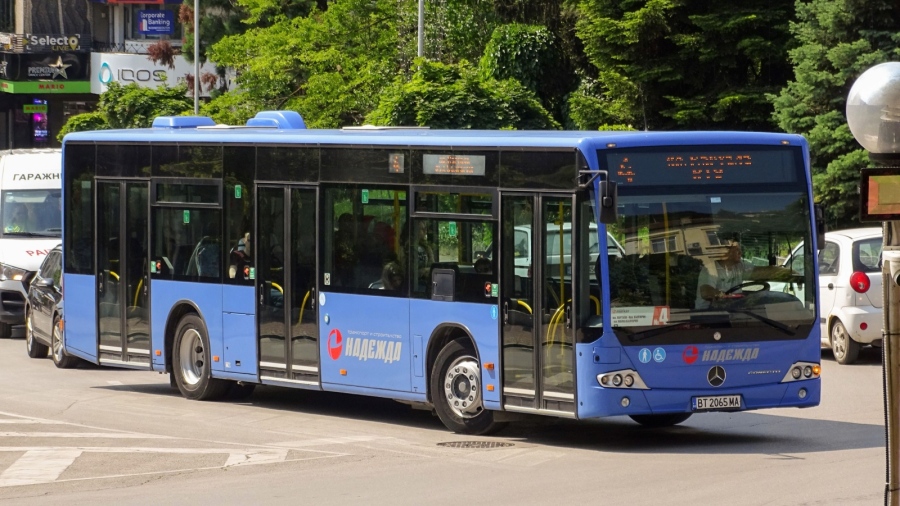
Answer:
(31, 213)
(696, 262)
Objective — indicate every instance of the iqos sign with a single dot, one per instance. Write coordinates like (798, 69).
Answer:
(130, 75)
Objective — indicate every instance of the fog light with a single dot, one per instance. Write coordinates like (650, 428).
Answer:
(807, 371)
(795, 372)
(625, 402)
(802, 393)
(629, 380)
(617, 380)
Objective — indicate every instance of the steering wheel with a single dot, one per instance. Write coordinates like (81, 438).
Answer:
(765, 286)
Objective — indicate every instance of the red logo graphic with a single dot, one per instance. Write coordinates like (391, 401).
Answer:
(690, 354)
(336, 343)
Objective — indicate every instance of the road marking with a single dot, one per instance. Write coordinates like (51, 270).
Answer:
(45, 465)
(105, 435)
(38, 466)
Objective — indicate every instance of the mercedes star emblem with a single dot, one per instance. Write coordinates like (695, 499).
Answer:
(716, 376)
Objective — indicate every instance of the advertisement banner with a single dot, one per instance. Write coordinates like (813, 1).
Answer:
(156, 22)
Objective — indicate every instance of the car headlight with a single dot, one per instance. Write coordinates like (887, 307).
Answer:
(8, 272)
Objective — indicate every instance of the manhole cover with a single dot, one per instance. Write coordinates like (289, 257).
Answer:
(475, 444)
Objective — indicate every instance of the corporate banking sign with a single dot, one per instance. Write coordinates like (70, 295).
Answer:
(156, 22)
(137, 69)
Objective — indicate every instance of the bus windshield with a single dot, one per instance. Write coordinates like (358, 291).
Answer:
(713, 261)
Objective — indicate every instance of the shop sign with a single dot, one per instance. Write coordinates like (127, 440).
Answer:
(156, 22)
(38, 87)
(136, 69)
(43, 43)
(34, 108)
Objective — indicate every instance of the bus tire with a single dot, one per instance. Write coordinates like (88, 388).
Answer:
(32, 346)
(61, 359)
(191, 362)
(456, 391)
(663, 420)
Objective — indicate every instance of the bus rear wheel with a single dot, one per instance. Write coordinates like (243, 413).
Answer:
(664, 420)
(456, 391)
(191, 362)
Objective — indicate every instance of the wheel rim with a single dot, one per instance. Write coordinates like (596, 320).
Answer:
(193, 357)
(462, 387)
(57, 344)
(838, 341)
(29, 331)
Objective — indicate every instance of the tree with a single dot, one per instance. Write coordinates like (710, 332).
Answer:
(131, 107)
(329, 66)
(837, 41)
(457, 96)
(530, 54)
(669, 64)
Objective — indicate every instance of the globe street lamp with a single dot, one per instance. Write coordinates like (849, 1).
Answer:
(873, 115)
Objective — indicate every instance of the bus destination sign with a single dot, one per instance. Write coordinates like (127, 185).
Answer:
(454, 165)
(717, 165)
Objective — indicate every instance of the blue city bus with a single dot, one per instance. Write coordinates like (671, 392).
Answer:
(486, 275)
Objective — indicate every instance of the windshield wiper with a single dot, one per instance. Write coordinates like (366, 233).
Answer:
(768, 321)
(639, 336)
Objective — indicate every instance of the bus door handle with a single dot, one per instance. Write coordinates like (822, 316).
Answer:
(506, 312)
(568, 316)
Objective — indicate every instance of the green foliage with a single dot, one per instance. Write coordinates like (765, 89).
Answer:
(837, 40)
(131, 107)
(529, 54)
(458, 96)
(329, 66)
(83, 122)
(134, 107)
(672, 64)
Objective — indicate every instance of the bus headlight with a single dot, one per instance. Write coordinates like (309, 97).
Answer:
(10, 273)
(800, 371)
(625, 378)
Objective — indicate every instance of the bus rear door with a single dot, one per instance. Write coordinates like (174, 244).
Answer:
(123, 301)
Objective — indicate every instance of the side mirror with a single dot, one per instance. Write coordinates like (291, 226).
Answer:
(819, 211)
(608, 197)
(43, 282)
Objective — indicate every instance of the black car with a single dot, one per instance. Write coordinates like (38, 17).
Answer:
(43, 312)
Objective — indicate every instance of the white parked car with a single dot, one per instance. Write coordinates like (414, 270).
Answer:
(850, 290)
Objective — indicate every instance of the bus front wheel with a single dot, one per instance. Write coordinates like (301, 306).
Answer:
(191, 362)
(664, 420)
(456, 391)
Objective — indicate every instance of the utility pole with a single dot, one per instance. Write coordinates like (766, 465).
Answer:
(873, 115)
(197, 57)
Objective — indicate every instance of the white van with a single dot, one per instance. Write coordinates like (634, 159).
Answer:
(30, 226)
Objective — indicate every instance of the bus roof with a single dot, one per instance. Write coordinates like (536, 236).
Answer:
(178, 131)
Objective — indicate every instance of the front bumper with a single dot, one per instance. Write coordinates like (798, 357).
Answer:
(12, 306)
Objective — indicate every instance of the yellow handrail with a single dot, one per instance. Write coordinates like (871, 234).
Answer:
(303, 305)
(522, 303)
(113, 274)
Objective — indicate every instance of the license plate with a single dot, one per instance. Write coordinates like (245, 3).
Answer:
(717, 402)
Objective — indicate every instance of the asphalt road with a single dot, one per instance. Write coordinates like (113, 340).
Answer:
(106, 436)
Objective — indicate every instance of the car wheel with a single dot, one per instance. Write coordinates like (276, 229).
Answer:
(456, 391)
(845, 349)
(59, 355)
(663, 420)
(191, 362)
(34, 348)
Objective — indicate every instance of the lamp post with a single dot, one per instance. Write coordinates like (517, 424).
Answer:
(196, 57)
(873, 115)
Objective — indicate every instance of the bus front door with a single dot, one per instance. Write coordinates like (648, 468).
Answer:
(123, 298)
(536, 294)
(286, 274)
